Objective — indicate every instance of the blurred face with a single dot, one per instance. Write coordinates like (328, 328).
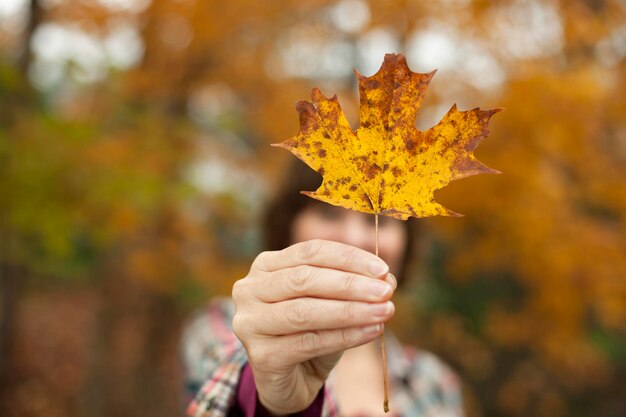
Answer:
(323, 221)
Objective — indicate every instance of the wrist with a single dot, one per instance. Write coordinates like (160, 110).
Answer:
(279, 407)
(314, 409)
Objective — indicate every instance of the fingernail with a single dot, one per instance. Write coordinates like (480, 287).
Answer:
(372, 329)
(381, 309)
(378, 268)
(392, 278)
(378, 288)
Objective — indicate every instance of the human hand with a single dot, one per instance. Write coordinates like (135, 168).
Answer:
(298, 309)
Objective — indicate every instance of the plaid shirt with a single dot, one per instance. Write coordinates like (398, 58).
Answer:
(421, 384)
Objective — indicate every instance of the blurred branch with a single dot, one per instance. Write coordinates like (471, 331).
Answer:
(35, 17)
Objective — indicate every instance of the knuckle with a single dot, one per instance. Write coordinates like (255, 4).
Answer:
(243, 327)
(348, 254)
(347, 337)
(298, 312)
(238, 326)
(300, 280)
(348, 282)
(349, 311)
(309, 249)
(260, 356)
(311, 342)
(259, 262)
(238, 289)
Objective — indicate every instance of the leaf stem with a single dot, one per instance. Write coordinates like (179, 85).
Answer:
(382, 341)
(385, 382)
(376, 228)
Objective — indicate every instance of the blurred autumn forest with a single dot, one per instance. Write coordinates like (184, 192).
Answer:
(135, 162)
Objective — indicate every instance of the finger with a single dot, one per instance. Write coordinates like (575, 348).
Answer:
(323, 253)
(311, 281)
(304, 314)
(391, 279)
(292, 349)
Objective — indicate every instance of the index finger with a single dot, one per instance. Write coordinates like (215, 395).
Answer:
(323, 253)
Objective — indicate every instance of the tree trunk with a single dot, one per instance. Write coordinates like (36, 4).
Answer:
(8, 328)
(35, 17)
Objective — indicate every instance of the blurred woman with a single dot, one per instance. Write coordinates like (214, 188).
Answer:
(300, 333)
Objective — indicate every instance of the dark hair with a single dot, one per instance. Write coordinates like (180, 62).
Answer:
(289, 202)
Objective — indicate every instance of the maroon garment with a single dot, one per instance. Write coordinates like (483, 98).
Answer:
(248, 404)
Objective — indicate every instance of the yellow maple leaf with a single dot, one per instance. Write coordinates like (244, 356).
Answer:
(387, 166)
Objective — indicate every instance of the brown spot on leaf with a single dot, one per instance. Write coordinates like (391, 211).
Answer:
(397, 91)
(370, 84)
(372, 171)
(409, 145)
(366, 199)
